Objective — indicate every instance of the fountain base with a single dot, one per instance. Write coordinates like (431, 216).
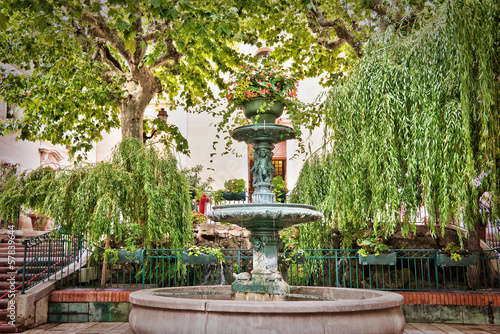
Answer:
(260, 290)
(209, 309)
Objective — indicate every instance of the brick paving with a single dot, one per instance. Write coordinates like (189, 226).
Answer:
(124, 328)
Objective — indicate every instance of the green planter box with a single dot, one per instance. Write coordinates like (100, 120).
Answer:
(292, 257)
(381, 259)
(124, 256)
(444, 260)
(192, 193)
(281, 197)
(198, 259)
(234, 196)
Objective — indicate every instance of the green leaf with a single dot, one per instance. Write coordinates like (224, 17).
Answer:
(156, 3)
(121, 25)
(4, 21)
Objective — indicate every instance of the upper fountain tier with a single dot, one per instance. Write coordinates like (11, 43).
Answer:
(263, 212)
(263, 132)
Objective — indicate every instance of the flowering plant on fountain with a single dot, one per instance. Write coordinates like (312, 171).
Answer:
(263, 89)
(266, 79)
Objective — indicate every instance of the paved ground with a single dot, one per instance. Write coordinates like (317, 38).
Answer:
(124, 328)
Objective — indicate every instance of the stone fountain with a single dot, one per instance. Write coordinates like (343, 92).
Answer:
(260, 301)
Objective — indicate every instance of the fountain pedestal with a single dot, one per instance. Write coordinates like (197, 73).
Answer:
(263, 217)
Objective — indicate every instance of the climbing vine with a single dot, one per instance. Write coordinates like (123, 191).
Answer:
(138, 199)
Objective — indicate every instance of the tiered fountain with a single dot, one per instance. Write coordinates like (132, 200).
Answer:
(260, 301)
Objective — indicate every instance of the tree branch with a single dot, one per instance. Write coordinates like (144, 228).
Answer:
(99, 28)
(321, 25)
(171, 55)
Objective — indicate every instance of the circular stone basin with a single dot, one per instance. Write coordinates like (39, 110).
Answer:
(209, 309)
(275, 215)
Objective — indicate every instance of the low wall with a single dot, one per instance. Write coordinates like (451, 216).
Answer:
(452, 307)
(80, 305)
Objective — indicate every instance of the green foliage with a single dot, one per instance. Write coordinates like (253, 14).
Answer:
(137, 199)
(194, 180)
(452, 250)
(8, 174)
(265, 78)
(312, 188)
(234, 186)
(371, 243)
(279, 185)
(217, 196)
(198, 218)
(415, 124)
(198, 250)
(290, 238)
(85, 64)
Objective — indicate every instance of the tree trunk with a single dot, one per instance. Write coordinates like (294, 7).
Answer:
(474, 243)
(137, 98)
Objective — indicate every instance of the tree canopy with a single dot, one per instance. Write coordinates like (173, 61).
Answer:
(93, 61)
(96, 65)
(417, 123)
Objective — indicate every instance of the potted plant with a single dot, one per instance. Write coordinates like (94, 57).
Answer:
(217, 196)
(197, 217)
(452, 256)
(279, 189)
(263, 89)
(292, 253)
(234, 190)
(374, 251)
(202, 255)
(124, 256)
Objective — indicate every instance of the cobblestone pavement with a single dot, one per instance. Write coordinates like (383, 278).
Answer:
(124, 328)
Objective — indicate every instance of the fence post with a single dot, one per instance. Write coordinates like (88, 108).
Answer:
(337, 268)
(436, 270)
(25, 242)
(144, 270)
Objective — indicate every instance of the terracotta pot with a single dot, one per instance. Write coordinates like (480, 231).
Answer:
(25, 223)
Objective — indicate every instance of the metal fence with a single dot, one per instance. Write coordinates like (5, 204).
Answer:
(74, 263)
(48, 255)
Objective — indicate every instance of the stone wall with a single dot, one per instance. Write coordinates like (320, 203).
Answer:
(221, 236)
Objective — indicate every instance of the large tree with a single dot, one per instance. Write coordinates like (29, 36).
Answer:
(417, 123)
(90, 61)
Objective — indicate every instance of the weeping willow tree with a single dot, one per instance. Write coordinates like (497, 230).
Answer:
(417, 124)
(312, 187)
(138, 199)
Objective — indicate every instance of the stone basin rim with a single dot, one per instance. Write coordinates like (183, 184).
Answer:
(378, 300)
(265, 206)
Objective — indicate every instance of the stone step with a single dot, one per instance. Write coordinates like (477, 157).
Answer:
(6, 328)
(19, 277)
(16, 240)
(7, 285)
(5, 294)
(7, 269)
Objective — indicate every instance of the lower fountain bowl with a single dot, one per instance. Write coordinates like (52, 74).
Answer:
(209, 309)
